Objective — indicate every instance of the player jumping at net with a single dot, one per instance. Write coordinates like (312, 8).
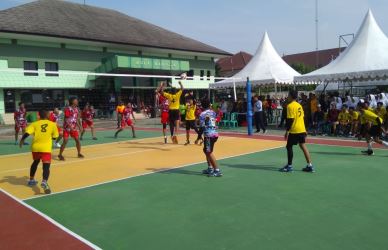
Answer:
(126, 120)
(20, 117)
(54, 117)
(208, 124)
(43, 132)
(375, 130)
(164, 109)
(87, 116)
(296, 133)
(174, 103)
(70, 125)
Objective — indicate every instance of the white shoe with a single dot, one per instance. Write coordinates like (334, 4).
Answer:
(57, 145)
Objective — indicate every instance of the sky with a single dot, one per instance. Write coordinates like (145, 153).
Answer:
(238, 25)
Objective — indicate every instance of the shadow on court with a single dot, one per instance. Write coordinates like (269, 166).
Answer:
(20, 181)
(344, 153)
(252, 166)
(175, 171)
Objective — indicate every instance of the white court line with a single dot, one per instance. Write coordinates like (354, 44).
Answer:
(87, 146)
(88, 159)
(52, 221)
(148, 173)
(103, 157)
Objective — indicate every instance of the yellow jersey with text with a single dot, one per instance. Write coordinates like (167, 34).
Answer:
(43, 132)
(295, 111)
(173, 99)
(369, 116)
(344, 116)
(190, 112)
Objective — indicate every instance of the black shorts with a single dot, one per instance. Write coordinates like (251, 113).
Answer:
(190, 124)
(375, 131)
(294, 139)
(174, 115)
(208, 144)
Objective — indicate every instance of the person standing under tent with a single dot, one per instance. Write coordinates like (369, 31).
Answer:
(209, 129)
(258, 113)
(164, 109)
(87, 117)
(20, 118)
(44, 132)
(55, 117)
(174, 103)
(71, 125)
(296, 133)
(126, 120)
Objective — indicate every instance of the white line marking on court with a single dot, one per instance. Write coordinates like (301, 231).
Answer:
(89, 159)
(88, 146)
(102, 157)
(52, 221)
(148, 173)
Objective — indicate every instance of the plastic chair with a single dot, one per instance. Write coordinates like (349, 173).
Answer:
(233, 121)
(225, 120)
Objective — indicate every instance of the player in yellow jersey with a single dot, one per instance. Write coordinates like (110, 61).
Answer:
(296, 133)
(190, 107)
(174, 103)
(375, 130)
(44, 132)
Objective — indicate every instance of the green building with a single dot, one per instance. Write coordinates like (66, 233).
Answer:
(71, 40)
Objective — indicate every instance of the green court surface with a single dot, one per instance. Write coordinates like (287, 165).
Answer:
(105, 136)
(342, 206)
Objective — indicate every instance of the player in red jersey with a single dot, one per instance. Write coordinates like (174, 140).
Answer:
(126, 120)
(54, 117)
(164, 109)
(70, 125)
(87, 116)
(20, 121)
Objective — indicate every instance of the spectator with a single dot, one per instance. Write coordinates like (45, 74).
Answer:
(318, 121)
(332, 118)
(258, 113)
(344, 121)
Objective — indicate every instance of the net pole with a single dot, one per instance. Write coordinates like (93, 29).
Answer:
(234, 90)
(249, 107)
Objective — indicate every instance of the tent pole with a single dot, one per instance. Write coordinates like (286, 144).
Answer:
(276, 89)
(234, 90)
(249, 107)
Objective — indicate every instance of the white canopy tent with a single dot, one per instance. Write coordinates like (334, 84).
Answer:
(265, 67)
(365, 59)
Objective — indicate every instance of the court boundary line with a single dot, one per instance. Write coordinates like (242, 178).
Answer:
(149, 173)
(91, 145)
(60, 163)
(51, 220)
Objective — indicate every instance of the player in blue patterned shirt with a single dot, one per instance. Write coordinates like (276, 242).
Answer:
(207, 120)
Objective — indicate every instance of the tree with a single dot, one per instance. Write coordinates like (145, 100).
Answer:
(302, 68)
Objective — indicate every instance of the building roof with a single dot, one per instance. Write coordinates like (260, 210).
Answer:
(309, 58)
(63, 19)
(233, 63)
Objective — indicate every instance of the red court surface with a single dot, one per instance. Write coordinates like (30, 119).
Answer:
(23, 228)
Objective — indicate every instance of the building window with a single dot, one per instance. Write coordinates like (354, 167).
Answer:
(208, 75)
(28, 65)
(202, 73)
(52, 67)
(190, 73)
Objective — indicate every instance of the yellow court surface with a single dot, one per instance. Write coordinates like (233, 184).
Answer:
(113, 161)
